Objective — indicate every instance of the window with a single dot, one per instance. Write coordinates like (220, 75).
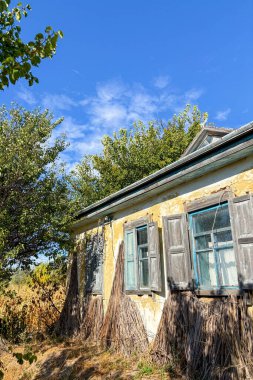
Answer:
(220, 255)
(213, 251)
(142, 262)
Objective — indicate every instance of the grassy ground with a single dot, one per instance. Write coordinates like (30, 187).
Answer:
(72, 360)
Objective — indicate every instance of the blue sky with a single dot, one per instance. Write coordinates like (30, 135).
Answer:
(121, 61)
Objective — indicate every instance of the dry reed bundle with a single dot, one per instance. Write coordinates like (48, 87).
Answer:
(209, 340)
(123, 329)
(93, 319)
(69, 320)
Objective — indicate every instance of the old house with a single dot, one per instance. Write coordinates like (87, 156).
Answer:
(187, 227)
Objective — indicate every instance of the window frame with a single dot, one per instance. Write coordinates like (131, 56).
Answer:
(219, 289)
(133, 227)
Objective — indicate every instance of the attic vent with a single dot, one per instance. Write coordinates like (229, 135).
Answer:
(206, 136)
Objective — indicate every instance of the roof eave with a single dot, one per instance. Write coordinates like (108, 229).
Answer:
(121, 194)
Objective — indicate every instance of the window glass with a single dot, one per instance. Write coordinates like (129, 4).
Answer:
(214, 258)
(222, 238)
(142, 235)
(203, 242)
(144, 274)
(207, 273)
(211, 220)
(228, 266)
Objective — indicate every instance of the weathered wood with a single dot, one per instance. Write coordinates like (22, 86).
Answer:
(207, 201)
(241, 213)
(177, 251)
(94, 257)
(154, 257)
(136, 223)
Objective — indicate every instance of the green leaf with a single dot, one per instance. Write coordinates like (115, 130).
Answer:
(18, 15)
(48, 29)
(39, 36)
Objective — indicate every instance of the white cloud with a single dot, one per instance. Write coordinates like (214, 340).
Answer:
(110, 90)
(193, 95)
(222, 115)
(27, 96)
(161, 81)
(58, 102)
(113, 105)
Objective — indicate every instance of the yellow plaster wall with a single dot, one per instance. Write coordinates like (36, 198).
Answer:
(168, 203)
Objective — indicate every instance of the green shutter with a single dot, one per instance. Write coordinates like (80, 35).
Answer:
(130, 261)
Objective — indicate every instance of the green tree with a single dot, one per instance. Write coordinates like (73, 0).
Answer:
(133, 154)
(16, 56)
(35, 206)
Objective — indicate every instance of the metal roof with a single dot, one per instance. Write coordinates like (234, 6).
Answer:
(170, 172)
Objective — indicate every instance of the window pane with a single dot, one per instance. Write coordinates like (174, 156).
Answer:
(223, 238)
(130, 243)
(142, 235)
(228, 267)
(211, 219)
(143, 252)
(144, 274)
(203, 242)
(222, 217)
(207, 274)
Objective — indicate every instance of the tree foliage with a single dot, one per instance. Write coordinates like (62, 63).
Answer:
(16, 56)
(35, 207)
(133, 154)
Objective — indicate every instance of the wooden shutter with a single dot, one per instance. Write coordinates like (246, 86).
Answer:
(177, 251)
(99, 259)
(154, 257)
(130, 260)
(94, 264)
(241, 214)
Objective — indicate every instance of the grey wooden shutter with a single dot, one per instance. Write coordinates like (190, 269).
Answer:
(130, 274)
(154, 257)
(177, 251)
(98, 269)
(94, 264)
(241, 214)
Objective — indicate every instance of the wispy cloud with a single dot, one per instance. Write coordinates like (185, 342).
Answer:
(161, 81)
(57, 102)
(223, 115)
(113, 105)
(27, 96)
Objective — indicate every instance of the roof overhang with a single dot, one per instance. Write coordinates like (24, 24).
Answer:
(232, 147)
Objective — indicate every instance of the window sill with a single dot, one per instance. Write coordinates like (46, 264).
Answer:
(217, 292)
(139, 292)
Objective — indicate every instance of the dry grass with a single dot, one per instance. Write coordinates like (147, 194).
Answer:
(73, 360)
(27, 312)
